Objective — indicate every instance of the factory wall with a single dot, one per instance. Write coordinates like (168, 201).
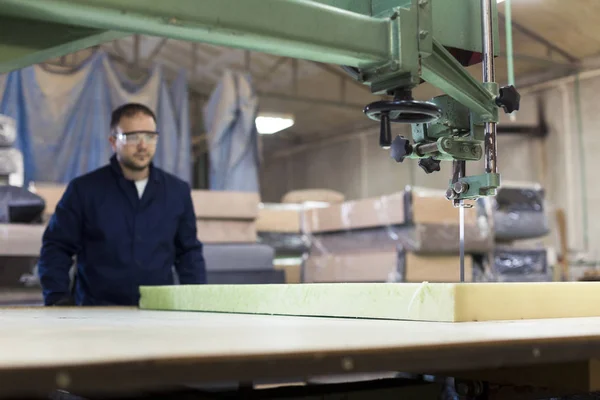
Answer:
(355, 165)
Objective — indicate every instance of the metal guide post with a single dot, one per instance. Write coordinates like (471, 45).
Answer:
(489, 76)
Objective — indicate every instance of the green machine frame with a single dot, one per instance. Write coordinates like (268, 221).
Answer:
(390, 45)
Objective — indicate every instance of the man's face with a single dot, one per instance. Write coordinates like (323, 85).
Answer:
(135, 143)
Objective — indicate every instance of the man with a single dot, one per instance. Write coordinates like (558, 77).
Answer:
(127, 224)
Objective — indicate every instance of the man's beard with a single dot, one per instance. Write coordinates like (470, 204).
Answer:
(130, 164)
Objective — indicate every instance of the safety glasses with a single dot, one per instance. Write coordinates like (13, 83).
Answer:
(136, 137)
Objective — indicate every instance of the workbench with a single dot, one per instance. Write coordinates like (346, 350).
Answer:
(117, 350)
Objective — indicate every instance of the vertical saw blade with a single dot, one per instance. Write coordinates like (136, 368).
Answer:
(461, 211)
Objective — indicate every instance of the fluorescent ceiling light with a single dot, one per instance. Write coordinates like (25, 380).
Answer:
(270, 124)
(499, 1)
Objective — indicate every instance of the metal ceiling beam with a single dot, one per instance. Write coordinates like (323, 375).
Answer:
(157, 50)
(539, 60)
(26, 42)
(276, 65)
(199, 91)
(136, 49)
(311, 100)
(540, 39)
(341, 74)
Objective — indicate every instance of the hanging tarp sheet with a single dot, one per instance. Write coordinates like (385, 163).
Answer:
(229, 119)
(63, 118)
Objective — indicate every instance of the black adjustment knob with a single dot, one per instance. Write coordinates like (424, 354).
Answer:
(509, 99)
(385, 135)
(401, 148)
(429, 165)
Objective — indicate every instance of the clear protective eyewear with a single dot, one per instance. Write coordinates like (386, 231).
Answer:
(136, 137)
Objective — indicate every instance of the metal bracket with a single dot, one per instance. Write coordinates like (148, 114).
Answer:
(473, 187)
(459, 149)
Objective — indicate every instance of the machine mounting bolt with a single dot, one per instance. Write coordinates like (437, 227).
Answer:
(450, 194)
(423, 34)
(475, 151)
(460, 187)
(446, 144)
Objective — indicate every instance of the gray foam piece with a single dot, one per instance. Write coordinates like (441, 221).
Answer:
(511, 225)
(238, 257)
(286, 243)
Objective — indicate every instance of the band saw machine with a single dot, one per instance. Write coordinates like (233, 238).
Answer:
(391, 46)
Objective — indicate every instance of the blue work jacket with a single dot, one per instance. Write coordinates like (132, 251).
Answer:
(120, 242)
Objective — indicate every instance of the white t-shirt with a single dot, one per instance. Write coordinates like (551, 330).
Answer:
(141, 186)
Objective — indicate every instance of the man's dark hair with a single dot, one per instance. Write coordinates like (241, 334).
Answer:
(129, 110)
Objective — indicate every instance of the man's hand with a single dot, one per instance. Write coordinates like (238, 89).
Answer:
(65, 301)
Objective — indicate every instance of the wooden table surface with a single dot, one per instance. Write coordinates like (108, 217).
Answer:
(84, 348)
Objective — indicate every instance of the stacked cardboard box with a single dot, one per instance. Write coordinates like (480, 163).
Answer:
(410, 236)
(222, 217)
(280, 226)
(226, 225)
(226, 217)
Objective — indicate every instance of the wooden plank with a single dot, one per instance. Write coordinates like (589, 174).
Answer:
(80, 349)
(443, 302)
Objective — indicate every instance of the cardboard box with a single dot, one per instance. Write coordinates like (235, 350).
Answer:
(279, 218)
(293, 271)
(388, 266)
(214, 204)
(413, 206)
(207, 203)
(226, 231)
(51, 193)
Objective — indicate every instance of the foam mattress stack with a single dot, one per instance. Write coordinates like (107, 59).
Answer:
(279, 226)
(12, 168)
(520, 223)
(410, 236)
(20, 242)
(513, 263)
(226, 224)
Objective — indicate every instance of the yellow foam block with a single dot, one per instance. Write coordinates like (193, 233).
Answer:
(442, 302)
